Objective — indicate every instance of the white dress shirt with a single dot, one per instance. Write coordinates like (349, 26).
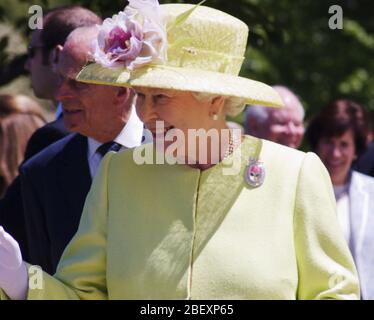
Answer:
(130, 137)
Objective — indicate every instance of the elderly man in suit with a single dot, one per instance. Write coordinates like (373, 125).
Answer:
(56, 181)
(42, 49)
(281, 125)
(44, 43)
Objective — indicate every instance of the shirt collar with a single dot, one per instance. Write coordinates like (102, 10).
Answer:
(130, 136)
(132, 133)
(92, 147)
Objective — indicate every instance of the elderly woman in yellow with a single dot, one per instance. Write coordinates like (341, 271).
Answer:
(194, 223)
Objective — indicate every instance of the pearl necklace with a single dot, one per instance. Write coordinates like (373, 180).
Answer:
(234, 141)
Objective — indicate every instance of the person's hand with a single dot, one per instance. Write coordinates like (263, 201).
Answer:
(13, 271)
(10, 253)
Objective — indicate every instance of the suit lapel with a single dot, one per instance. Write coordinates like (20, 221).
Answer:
(73, 177)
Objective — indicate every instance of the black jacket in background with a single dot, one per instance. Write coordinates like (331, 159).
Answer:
(45, 136)
(365, 164)
(11, 207)
(55, 184)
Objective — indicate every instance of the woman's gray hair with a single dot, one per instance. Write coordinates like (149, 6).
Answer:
(233, 105)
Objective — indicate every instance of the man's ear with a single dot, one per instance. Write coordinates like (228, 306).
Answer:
(124, 94)
(56, 54)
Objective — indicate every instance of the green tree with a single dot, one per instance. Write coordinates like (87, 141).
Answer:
(290, 43)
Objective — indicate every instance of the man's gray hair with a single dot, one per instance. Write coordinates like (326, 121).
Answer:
(81, 40)
(261, 113)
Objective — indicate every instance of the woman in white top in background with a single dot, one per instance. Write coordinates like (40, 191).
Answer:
(339, 139)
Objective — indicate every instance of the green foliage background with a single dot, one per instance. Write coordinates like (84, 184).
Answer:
(290, 43)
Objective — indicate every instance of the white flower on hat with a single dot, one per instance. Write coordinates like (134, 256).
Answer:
(132, 38)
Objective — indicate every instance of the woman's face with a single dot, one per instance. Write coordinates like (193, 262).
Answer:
(176, 109)
(189, 118)
(337, 153)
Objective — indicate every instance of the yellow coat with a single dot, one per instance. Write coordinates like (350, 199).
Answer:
(174, 232)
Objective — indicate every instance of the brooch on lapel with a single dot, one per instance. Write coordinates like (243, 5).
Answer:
(255, 173)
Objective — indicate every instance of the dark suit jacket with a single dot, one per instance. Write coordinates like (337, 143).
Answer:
(11, 209)
(45, 136)
(55, 183)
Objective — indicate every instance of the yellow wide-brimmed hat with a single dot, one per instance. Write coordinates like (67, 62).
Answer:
(202, 50)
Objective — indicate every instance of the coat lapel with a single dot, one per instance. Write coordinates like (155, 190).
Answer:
(73, 177)
(357, 208)
(362, 239)
(219, 187)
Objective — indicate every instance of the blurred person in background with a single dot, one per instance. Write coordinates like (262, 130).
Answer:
(349, 109)
(44, 51)
(20, 116)
(365, 163)
(339, 140)
(280, 125)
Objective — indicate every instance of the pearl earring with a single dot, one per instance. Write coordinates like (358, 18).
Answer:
(215, 117)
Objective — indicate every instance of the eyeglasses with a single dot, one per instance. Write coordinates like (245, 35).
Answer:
(31, 50)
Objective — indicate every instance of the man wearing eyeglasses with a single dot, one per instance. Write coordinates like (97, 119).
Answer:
(43, 54)
(43, 79)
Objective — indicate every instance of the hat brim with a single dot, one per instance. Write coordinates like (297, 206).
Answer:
(183, 79)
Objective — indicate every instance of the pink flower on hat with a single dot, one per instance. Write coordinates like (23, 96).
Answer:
(134, 37)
